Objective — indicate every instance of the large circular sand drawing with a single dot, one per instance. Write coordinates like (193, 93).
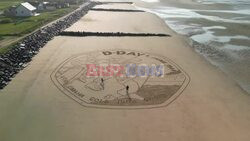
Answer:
(127, 80)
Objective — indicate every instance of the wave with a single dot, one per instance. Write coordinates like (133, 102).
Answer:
(224, 1)
(214, 34)
(150, 1)
(173, 12)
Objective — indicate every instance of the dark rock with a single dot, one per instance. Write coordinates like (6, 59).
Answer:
(17, 58)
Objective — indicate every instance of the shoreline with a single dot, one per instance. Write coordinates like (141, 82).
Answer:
(53, 99)
(205, 50)
(198, 48)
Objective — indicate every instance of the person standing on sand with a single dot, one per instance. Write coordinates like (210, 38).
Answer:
(127, 92)
(102, 83)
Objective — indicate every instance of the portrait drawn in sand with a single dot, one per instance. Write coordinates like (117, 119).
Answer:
(126, 89)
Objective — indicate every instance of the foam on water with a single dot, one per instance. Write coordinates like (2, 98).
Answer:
(214, 42)
(173, 12)
(224, 1)
(243, 12)
(234, 47)
(198, 32)
(150, 1)
(208, 36)
(170, 14)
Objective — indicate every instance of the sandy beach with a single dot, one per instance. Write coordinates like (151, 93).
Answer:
(207, 105)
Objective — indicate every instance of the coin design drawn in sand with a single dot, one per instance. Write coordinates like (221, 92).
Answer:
(121, 91)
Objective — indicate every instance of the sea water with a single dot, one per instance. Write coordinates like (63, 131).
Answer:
(218, 29)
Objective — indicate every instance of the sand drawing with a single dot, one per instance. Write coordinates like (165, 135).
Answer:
(120, 91)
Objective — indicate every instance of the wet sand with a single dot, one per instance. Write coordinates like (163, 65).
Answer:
(211, 107)
(219, 30)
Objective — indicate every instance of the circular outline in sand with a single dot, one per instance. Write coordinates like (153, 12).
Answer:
(83, 103)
